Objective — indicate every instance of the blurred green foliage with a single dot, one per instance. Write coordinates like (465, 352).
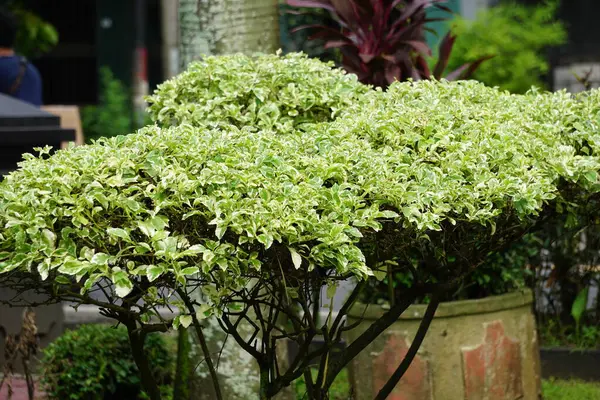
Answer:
(518, 37)
(293, 40)
(94, 362)
(113, 115)
(35, 36)
(553, 333)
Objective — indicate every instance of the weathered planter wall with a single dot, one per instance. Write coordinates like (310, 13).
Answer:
(475, 350)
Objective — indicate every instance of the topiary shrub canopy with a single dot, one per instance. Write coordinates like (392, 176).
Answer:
(284, 165)
(268, 92)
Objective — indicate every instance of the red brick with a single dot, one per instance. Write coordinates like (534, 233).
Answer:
(492, 370)
(416, 382)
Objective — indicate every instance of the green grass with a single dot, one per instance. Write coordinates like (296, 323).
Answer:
(555, 389)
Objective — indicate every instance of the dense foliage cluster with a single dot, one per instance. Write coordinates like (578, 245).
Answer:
(517, 35)
(270, 92)
(428, 162)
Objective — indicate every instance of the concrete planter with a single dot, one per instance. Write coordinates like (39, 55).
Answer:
(474, 350)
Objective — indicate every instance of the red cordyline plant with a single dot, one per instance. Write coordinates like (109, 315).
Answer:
(383, 40)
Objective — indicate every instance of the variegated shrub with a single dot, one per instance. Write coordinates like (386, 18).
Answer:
(274, 176)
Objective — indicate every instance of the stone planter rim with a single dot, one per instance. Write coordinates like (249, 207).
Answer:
(450, 309)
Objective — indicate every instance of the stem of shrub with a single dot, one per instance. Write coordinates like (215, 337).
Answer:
(207, 357)
(182, 373)
(412, 351)
(198, 328)
(264, 383)
(136, 341)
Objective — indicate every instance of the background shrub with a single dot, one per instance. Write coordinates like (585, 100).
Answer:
(94, 362)
(517, 36)
(113, 114)
(35, 36)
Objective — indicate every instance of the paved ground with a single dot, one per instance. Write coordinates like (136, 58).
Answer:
(19, 388)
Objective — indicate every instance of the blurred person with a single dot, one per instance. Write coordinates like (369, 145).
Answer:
(18, 77)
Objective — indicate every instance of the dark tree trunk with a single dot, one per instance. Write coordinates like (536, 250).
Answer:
(136, 341)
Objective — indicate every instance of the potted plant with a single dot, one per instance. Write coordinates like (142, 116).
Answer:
(482, 337)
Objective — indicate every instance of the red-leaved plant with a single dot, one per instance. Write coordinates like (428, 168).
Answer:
(383, 40)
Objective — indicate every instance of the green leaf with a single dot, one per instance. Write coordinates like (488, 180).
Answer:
(153, 272)
(220, 231)
(203, 312)
(222, 263)
(72, 267)
(49, 238)
(380, 274)
(142, 248)
(133, 205)
(118, 232)
(389, 214)
(44, 269)
(100, 259)
(185, 320)
(62, 280)
(331, 289)
(147, 228)
(591, 176)
(176, 322)
(123, 287)
(296, 258)
(292, 293)
(196, 249)
(265, 239)
(190, 271)
(579, 305)
(159, 222)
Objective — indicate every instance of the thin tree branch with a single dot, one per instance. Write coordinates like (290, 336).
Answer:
(203, 344)
(371, 333)
(412, 351)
